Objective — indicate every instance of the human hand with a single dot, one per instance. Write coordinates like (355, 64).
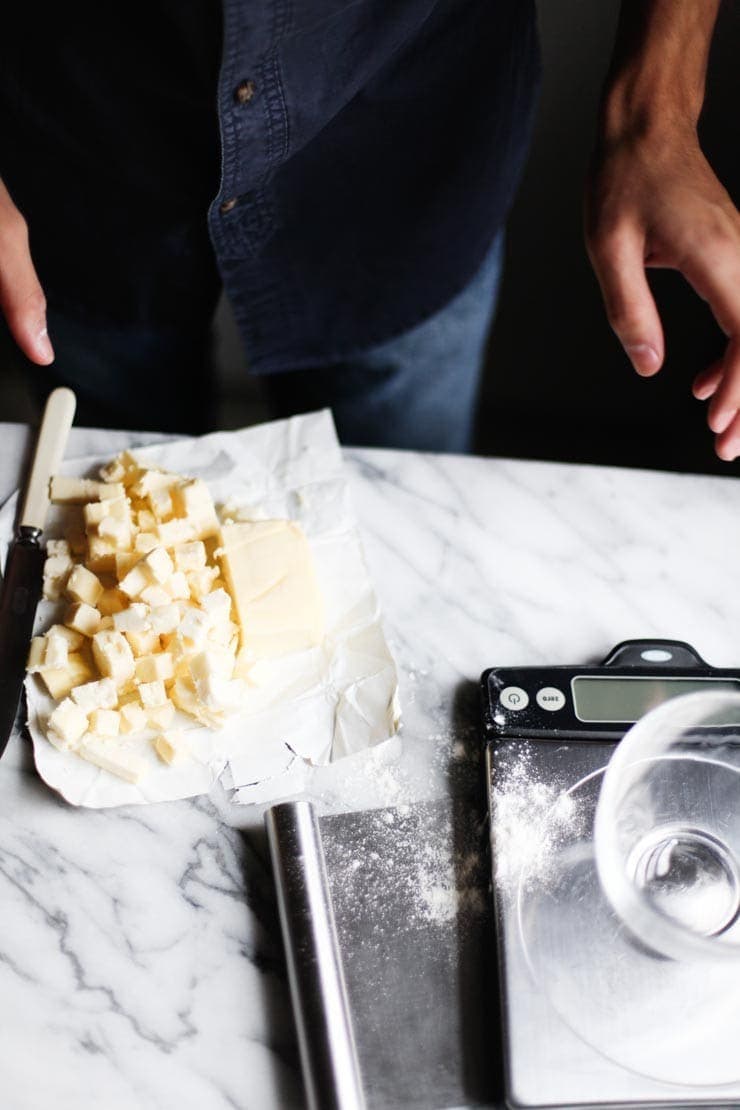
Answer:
(655, 201)
(22, 299)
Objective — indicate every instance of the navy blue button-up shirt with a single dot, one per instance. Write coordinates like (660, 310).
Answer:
(370, 150)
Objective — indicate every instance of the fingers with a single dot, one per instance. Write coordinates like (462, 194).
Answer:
(727, 444)
(715, 274)
(705, 384)
(618, 260)
(22, 300)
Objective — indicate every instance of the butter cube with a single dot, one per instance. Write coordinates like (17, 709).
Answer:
(81, 617)
(135, 581)
(146, 520)
(161, 716)
(60, 681)
(125, 560)
(186, 699)
(113, 655)
(116, 532)
(57, 547)
(218, 606)
(151, 668)
(205, 664)
(57, 566)
(114, 471)
(169, 745)
(160, 504)
(36, 653)
(101, 555)
(152, 694)
(159, 565)
(112, 601)
(52, 588)
(155, 596)
(105, 722)
(177, 586)
(57, 651)
(94, 512)
(75, 640)
(201, 582)
(133, 619)
(96, 695)
(192, 499)
(144, 542)
(151, 480)
(133, 718)
(109, 757)
(83, 585)
(175, 532)
(77, 491)
(165, 618)
(193, 629)
(190, 556)
(68, 724)
(144, 642)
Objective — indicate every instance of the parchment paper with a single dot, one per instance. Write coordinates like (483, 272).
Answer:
(303, 710)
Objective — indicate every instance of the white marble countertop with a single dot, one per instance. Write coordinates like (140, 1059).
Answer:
(140, 961)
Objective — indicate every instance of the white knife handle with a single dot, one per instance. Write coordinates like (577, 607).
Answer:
(58, 416)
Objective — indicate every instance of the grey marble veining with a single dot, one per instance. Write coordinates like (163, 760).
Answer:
(140, 961)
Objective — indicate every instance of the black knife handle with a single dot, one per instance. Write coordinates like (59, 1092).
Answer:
(20, 595)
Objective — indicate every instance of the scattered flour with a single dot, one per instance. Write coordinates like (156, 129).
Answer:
(531, 820)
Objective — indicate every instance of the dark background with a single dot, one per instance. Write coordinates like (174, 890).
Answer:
(557, 385)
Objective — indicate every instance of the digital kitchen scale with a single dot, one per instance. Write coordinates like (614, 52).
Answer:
(588, 1019)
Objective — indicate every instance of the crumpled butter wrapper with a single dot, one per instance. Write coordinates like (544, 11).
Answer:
(303, 710)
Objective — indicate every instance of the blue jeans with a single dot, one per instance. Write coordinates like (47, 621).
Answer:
(417, 391)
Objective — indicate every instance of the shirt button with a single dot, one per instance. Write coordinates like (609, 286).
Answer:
(244, 92)
(227, 205)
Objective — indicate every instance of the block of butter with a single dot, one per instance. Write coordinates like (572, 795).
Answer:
(269, 570)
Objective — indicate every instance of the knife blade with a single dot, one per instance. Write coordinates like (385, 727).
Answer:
(22, 583)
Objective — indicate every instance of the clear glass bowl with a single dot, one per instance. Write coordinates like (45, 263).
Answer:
(667, 828)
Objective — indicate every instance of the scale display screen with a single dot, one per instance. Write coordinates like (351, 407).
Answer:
(621, 698)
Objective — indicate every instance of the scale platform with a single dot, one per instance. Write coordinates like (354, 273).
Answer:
(584, 1023)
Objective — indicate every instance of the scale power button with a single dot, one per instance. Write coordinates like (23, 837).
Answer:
(514, 698)
(549, 697)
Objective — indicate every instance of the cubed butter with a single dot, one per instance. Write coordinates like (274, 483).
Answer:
(112, 601)
(135, 581)
(133, 718)
(159, 565)
(152, 693)
(153, 668)
(105, 722)
(161, 716)
(102, 694)
(83, 585)
(169, 745)
(81, 617)
(114, 656)
(68, 723)
(60, 681)
(111, 758)
(190, 556)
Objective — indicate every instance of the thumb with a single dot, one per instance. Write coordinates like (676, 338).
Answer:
(619, 263)
(22, 300)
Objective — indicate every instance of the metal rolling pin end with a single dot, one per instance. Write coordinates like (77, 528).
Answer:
(326, 1041)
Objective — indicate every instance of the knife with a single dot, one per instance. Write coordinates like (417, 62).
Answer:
(24, 565)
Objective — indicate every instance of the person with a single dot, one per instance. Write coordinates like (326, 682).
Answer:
(345, 171)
